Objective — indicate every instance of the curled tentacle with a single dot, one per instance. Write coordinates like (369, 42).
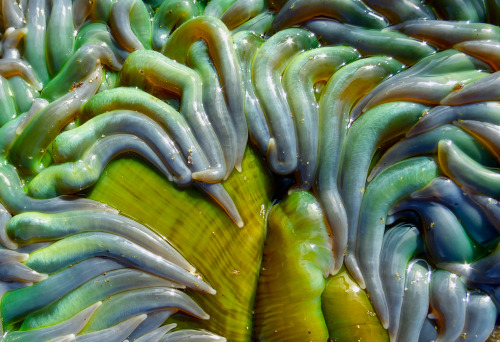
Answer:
(77, 69)
(221, 49)
(473, 218)
(426, 90)
(14, 127)
(58, 285)
(60, 34)
(100, 288)
(365, 135)
(371, 42)
(415, 303)
(346, 11)
(440, 115)
(71, 177)
(445, 34)
(441, 63)
(427, 143)
(34, 227)
(99, 33)
(11, 39)
(480, 317)
(445, 238)
(146, 68)
(394, 184)
(247, 44)
(30, 146)
(86, 245)
(400, 244)
(301, 74)
(448, 300)
(465, 171)
(17, 67)
(214, 103)
(171, 120)
(267, 68)
(16, 201)
(171, 14)
(130, 24)
(166, 115)
(73, 144)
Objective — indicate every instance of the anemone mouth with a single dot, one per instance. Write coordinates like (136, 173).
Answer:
(355, 143)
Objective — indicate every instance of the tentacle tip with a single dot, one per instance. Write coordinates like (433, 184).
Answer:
(444, 144)
(411, 133)
(385, 324)
(336, 268)
(11, 245)
(432, 316)
(42, 276)
(237, 166)
(208, 175)
(283, 166)
(239, 222)
(373, 174)
(190, 269)
(353, 268)
(141, 317)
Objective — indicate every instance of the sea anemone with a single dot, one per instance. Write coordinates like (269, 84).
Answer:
(301, 170)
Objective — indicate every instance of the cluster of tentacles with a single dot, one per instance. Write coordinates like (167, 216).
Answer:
(387, 112)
